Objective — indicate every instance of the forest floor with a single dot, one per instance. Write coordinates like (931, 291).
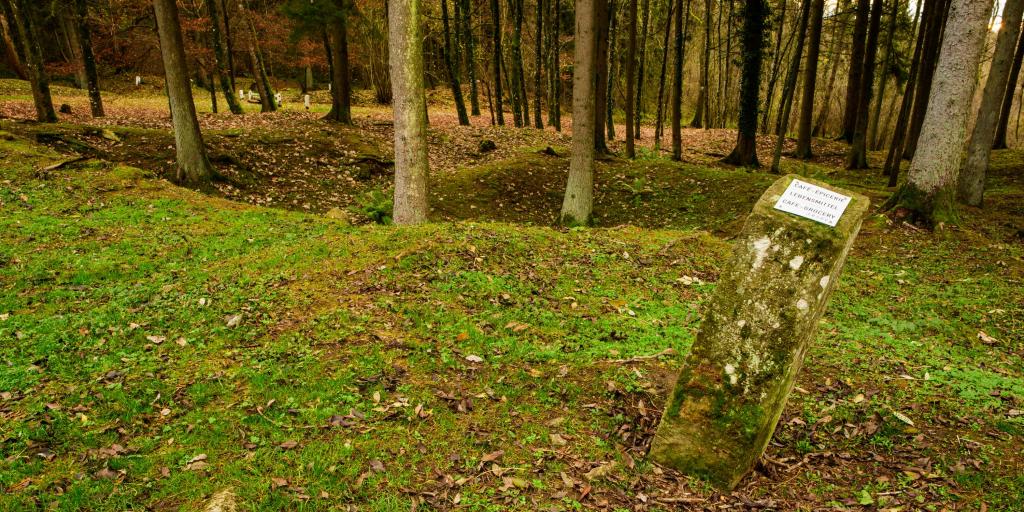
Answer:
(163, 349)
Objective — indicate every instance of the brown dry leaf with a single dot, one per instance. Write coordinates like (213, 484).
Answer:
(493, 456)
(288, 445)
(276, 482)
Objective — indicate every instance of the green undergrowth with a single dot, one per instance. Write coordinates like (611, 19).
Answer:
(158, 345)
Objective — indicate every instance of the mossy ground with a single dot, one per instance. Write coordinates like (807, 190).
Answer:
(158, 345)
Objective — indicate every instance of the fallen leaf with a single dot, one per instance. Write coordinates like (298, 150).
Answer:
(288, 445)
(474, 359)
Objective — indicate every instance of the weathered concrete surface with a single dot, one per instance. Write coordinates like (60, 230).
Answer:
(751, 344)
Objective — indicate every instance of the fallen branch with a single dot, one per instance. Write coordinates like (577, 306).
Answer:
(666, 352)
(58, 165)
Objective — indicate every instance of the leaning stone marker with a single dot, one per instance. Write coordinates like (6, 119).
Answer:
(758, 325)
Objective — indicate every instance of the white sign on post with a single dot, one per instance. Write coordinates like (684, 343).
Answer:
(813, 202)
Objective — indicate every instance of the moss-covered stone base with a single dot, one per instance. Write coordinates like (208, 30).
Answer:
(764, 313)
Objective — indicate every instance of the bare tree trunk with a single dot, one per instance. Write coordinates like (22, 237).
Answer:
(496, 35)
(84, 42)
(789, 88)
(745, 152)
(219, 58)
(11, 57)
(411, 204)
(538, 122)
(677, 83)
(834, 59)
(929, 59)
(193, 168)
(555, 109)
(884, 78)
(453, 77)
(257, 69)
(893, 158)
(971, 182)
(928, 194)
(631, 13)
(857, 157)
(468, 39)
(803, 138)
(773, 75)
(613, 40)
(641, 70)
(853, 82)
(601, 66)
(23, 23)
(1011, 87)
(661, 81)
(700, 118)
(578, 204)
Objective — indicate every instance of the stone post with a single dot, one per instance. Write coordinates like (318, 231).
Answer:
(758, 325)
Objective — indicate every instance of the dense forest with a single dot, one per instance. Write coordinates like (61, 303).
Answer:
(511, 255)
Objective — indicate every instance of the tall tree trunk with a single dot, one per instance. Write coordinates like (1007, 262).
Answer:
(11, 57)
(496, 35)
(928, 194)
(578, 204)
(661, 80)
(803, 137)
(641, 70)
(601, 21)
(555, 109)
(893, 158)
(677, 84)
(193, 168)
(405, 36)
(613, 43)
(971, 182)
(228, 44)
(470, 43)
(745, 152)
(834, 59)
(789, 88)
(999, 142)
(69, 29)
(700, 118)
(929, 60)
(24, 24)
(211, 87)
(453, 76)
(518, 87)
(856, 76)
(857, 157)
(726, 112)
(884, 78)
(773, 75)
(538, 122)
(257, 69)
(630, 77)
(92, 79)
(219, 58)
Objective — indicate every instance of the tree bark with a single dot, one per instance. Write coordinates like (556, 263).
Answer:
(193, 168)
(641, 68)
(884, 77)
(661, 80)
(496, 35)
(92, 80)
(601, 66)
(228, 44)
(613, 40)
(538, 122)
(893, 158)
(630, 78)
(577, 206)
(11, 57)
(700, 117)
(745, 152)
(453, 77)
(470, 43)
(857, 157)
(257, 69)
(789, 87)
(555, 109)
(410, 111)
(803, 138)
(834, 59)
(24, 24)
(219, 58)
(927, 196)
(971, 182)
(929, 59)
(1011, 87)
(853, 82)
(776, 65)
(677, 84)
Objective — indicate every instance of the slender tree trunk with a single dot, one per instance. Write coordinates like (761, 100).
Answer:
(677, 84)
(84, 42)
(834, 59)
(856, 76)
(727, 91)
(521, 104)
(193, 168)
(630, 78)
(893, 158)
(601, 66)
(613, 43)
(220, 60)
(929, 60)
(661, 81)
(212, 89)
(803, 138)
(11, 57)
(789, 88)
(69, 28)
(555, 112)
(496, 35)
(578, 204)
(453, 76)
(700, 117)
(24, 24)
(538, 122)
(999, 142)
(971, 182)
(256, 67)
(927, 196)
(641, 69)
(857, 157)
(410, 111)
(228, 42)
(745, 152)
(776, 65)
(470, 44)
(884, 78)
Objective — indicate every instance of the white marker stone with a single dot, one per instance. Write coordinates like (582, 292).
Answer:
(305, 100)
(138, 80)
(813, 202)
(759, 323)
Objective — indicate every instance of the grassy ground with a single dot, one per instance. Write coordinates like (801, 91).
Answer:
(163, 349)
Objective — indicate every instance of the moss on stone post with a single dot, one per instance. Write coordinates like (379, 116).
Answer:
(758, 325)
